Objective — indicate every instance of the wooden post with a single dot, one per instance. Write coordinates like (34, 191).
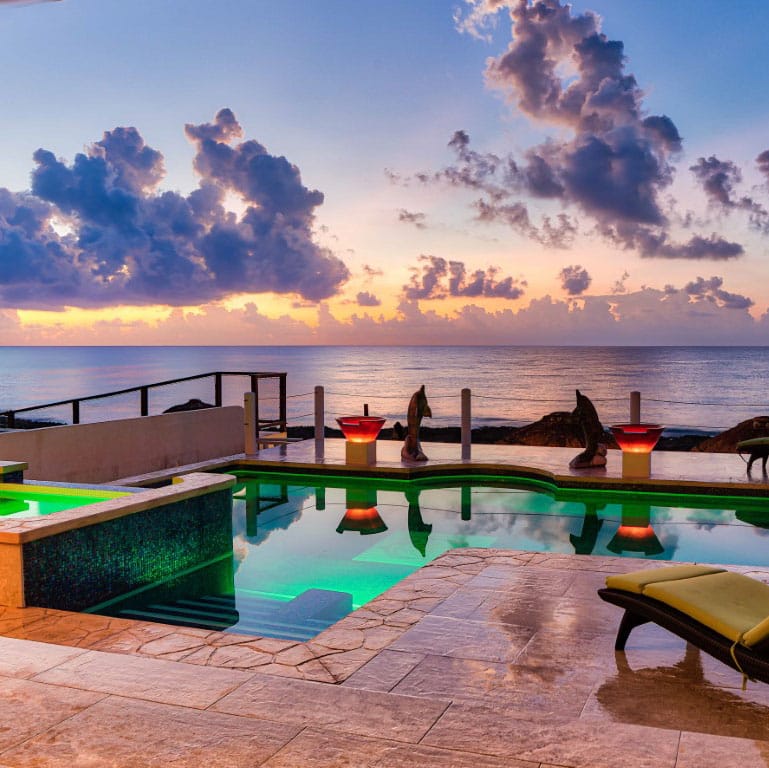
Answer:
(466, 428)
(635, 407)
(250, 425)
(320, 422)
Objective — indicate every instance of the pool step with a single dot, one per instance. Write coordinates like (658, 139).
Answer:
(298, 619)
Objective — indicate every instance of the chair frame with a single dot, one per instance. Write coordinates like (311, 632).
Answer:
(753, 662)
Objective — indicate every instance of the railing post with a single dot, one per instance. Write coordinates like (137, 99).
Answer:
(635, 407)
(218, 390)
(320, 422)
(250, 424)
(144, 393)
(466, 429)
(10, 419)
(283, 418)
(75, 411)
(256, 409)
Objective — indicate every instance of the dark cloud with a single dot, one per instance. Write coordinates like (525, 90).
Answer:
(366, 299)
(126, 242)
(409, 217)
(574, 279)
(440, 279)
(763, 163)
(615, 162)
(719, 179)
(558, 233)
(710, 290)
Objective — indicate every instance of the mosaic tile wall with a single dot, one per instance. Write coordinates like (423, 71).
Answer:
(80, 568)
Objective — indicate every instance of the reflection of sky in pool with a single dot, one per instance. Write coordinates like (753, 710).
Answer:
(293, 541)
(307, 550)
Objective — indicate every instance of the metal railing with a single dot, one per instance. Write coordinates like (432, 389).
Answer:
(9, 416)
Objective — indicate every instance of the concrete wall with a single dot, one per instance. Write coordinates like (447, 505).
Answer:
(98, 453)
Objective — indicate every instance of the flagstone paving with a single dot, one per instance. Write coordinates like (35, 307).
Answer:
(484, 658)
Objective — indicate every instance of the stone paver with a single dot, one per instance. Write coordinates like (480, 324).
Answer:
(483, 658)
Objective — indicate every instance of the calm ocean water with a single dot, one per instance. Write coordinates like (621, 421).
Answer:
(708, 388)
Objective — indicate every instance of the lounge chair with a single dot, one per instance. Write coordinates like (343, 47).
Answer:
(756, 448)
(723, 613)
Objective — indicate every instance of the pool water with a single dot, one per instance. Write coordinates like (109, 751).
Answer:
(309, 549)
(20, 501)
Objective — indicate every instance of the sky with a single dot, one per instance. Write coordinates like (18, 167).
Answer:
(408, 172)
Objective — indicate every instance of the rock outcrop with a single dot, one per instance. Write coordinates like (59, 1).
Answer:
(726, 442)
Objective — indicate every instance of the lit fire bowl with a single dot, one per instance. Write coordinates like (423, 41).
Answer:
(636, 442)
(360, 429)
(360, 433)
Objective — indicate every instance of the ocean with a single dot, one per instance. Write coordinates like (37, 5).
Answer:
(685, 388)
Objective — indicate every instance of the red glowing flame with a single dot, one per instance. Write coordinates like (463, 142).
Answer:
(360, 429)
(637, 438)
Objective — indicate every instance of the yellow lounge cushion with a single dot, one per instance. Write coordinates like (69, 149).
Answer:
(756, 634)
(754, 442)
(729, 603)
(636, 581)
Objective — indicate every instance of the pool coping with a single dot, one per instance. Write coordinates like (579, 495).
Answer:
(188, 486)
(534, 463)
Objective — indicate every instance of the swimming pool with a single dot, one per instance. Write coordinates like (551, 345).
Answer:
(308, 549)
(19, 500)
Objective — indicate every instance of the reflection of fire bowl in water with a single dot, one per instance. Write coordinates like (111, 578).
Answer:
(634, 538)
(360, 429)
(364, 521)
(637, 438)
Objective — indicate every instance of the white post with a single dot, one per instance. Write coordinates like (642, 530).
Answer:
(320, 422)
(635, 407)
(466, 429)
(251, 433)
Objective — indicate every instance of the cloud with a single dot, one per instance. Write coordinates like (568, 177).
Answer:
(409, 217)
(710, 290)
(574, 280)
(126, 242)
(607, 157)
(367, 299)
(440, 279)
(26, 2)
(718, 179)
(763, 163)
(370, 271)
(619, 285)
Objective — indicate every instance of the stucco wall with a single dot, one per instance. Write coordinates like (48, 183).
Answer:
(98, 453)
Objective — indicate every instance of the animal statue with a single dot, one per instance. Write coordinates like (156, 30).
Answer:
(418, 409)
(593, 433)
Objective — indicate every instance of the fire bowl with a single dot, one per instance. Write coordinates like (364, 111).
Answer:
(636, 438)
(360, 429)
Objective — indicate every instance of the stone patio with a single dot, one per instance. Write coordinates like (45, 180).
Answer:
(484, 658)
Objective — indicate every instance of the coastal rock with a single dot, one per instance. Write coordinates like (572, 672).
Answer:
(558, 429)
(726, 442)
(191, 405)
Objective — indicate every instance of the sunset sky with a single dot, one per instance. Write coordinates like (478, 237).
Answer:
(406, 172)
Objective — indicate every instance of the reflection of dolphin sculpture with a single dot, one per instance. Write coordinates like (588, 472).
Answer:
(584, 544)
(419, 530)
